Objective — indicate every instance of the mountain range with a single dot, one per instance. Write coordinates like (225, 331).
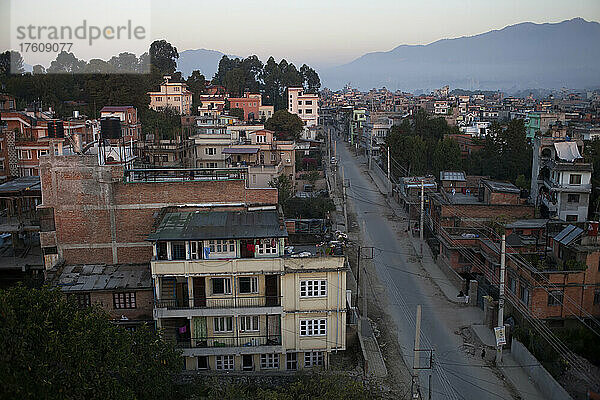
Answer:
(525, 55)
(521, 56)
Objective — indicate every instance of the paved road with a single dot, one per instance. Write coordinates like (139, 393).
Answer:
(456, 375)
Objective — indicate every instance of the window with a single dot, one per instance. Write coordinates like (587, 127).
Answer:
(196, 250)
(42, 153)
(299, 111)
(313, 359)
(575, 179)
(221, 246)
(269, 361)
(161, 250)
(313, 288)
(308, 102)
(25, 154)
(573, 198)
(178, 250)
(308, 111)
(210, 151)
(261, 139)
(512, 283)
(223, 324)
(299, 102)
(224, 363)
(313, 327)
(571, 218)
(202, 362)
(248, 284)
(221, 285)
(524, 293)
(249, 323)
(267, 246)
(597, 296)
(291, 361)
(124, 300)
(555, 297)
(83, 299)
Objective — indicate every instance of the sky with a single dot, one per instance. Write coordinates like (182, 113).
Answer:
(322, 33)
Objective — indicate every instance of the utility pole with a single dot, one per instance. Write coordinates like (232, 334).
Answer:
(388, 170)
(416, 366)
(344, 199)
(501, 296)
(370, 149)
(329, 146)
(422, 207)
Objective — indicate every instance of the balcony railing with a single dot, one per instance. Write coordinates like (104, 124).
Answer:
(229, 341)
(219, 302)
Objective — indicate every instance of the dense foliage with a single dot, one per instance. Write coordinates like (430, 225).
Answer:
(271, 79)
(420, 146)
(287, 126)
(53, 349)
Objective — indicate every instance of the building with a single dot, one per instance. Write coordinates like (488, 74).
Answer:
(264, 156)
(131, 127)
(357, 123)
(249, 103)
(173, 95)
(561, 180)
(7, 102)
(305, 105)
(538, 123)
(451, 181)
(232, 301)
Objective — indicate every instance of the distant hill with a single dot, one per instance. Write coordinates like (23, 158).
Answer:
(207, 61)
(526, 55)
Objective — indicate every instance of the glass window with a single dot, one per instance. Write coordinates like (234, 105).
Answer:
(178, 250)
(313, 327)
(313, 288)
(314, 359)
(202, 362)
(267, 246)
(124, 300)
(224, 363)
(248, 284)
(575, 179)
(269, 361)
(221, 285)
(555, 297)
(223, 324)
(291, 361)
(249, 323)
(573, 198)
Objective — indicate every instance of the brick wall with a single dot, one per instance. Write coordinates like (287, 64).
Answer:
(144, 304)
(101, 219)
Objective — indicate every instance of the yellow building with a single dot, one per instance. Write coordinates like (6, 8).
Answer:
(173, 95)
(225, 291)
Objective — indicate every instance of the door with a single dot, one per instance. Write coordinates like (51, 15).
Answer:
(199, 292)
(271, 283)
(273, 330)
(181, 293)
(200, 331)
(247, 362)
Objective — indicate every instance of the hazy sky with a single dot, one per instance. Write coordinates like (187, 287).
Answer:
(326, 32)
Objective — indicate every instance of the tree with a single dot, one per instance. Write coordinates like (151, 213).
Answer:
(285, 191)
(197, 85)
(54, 349)
(66, 62)
(285, 124)
(447, 156)
(38, 69)
(311, 80)
(237, 112)
(163, 56)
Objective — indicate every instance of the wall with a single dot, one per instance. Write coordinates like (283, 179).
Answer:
(538, 374)
(101, 219)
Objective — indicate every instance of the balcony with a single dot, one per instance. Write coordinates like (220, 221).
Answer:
(582, 188)
(217, 306)
(219, 302)
(230, 344)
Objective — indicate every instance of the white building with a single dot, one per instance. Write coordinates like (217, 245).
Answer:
(305, 105)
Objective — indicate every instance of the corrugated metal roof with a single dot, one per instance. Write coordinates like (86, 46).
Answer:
(452, 176)
(206, 225)
(75, 278)
(22, 183)
(568, 235)
(240, 150)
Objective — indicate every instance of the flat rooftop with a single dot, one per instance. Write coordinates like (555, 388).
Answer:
(78, 278)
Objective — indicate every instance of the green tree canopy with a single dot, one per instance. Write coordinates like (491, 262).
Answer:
(447, 156)
(285, 124)
(285, 190)
(163, 56)
(52, 349)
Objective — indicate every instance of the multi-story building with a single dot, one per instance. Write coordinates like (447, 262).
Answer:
(225, 292)
(7, 102)
(305, 105)
(264, 156)
(359, 118)
(249, 103)
(173, 95)
(538, 123)
(560, 179)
